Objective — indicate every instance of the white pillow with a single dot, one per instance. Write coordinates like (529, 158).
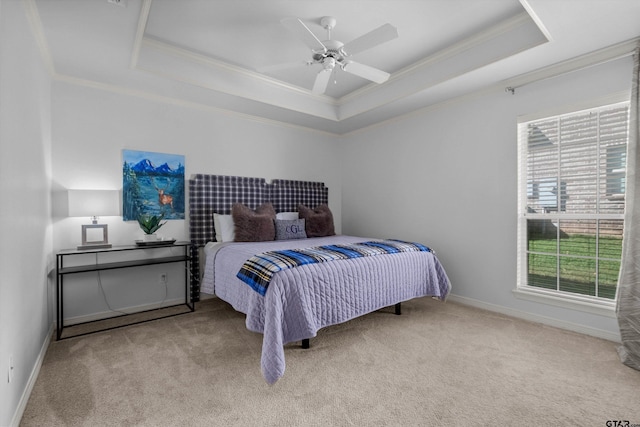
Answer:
(225, 229)
(287, 215)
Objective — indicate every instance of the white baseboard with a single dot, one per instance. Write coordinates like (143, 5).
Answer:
(22, 404)
(587, 330)
(126, 310)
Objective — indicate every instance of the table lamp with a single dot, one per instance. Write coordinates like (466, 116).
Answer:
(93, 204)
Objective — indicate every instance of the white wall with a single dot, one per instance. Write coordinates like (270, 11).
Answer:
(25, 224)
(91, 127)
(447, 177)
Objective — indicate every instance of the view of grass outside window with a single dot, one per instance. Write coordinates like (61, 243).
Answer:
(572, 183)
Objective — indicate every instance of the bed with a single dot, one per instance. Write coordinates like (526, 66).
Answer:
(305, 298)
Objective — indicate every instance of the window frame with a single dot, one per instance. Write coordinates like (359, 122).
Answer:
(528, 191)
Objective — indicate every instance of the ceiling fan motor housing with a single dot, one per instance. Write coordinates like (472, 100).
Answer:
(334, 50)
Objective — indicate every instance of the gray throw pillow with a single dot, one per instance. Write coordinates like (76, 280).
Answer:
(319, 221)
(253, 226)
(288, 229)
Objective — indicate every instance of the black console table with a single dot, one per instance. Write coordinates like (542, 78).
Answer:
(148, 259)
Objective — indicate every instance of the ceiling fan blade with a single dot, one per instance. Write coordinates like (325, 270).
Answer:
(371, 39)
(296, 26)
(366, 72)
(322, 80)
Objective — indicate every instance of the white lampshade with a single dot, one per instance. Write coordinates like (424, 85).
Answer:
(92, 203)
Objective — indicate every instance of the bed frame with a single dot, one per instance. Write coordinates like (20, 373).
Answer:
(398, 311)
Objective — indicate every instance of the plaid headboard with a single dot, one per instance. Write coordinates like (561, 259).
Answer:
(287, 195)
(217, 193)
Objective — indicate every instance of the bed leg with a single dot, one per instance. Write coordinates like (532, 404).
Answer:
(305, 343)
(398, 309)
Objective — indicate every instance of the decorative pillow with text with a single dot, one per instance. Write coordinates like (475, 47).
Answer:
(288, 229)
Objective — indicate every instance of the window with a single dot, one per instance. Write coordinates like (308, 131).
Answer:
(571, 203)
(616, 168)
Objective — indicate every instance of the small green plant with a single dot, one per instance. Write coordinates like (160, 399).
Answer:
(151, 223)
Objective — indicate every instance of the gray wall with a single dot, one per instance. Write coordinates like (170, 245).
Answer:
(25, 224)
(447, 177)
(91, 127)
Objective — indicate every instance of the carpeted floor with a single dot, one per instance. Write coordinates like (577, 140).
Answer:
(437, 364)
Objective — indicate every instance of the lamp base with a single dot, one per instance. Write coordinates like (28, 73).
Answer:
(95, 246)
(95, 236)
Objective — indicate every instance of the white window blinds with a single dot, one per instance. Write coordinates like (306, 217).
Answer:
(571, 201)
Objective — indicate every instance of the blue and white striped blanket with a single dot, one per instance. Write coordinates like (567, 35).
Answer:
(258, 271)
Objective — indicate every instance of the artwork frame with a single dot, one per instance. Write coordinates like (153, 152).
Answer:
(153, 184)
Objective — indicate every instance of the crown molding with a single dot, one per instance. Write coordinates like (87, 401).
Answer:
(33, 16)
(591, 59)
(532, 13)
(178, 102)
(145, 8)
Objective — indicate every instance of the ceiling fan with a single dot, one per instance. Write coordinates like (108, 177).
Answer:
(333, 53)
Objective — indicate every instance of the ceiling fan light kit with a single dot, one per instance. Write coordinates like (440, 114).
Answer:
(330, 53)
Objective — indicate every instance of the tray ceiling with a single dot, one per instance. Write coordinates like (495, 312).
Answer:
(236, 55)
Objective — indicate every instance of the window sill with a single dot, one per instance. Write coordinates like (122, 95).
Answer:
(573, 302)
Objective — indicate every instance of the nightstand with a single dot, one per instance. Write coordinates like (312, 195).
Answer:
(130, 256)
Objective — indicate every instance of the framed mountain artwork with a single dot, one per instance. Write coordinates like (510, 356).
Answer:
(152, 184)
